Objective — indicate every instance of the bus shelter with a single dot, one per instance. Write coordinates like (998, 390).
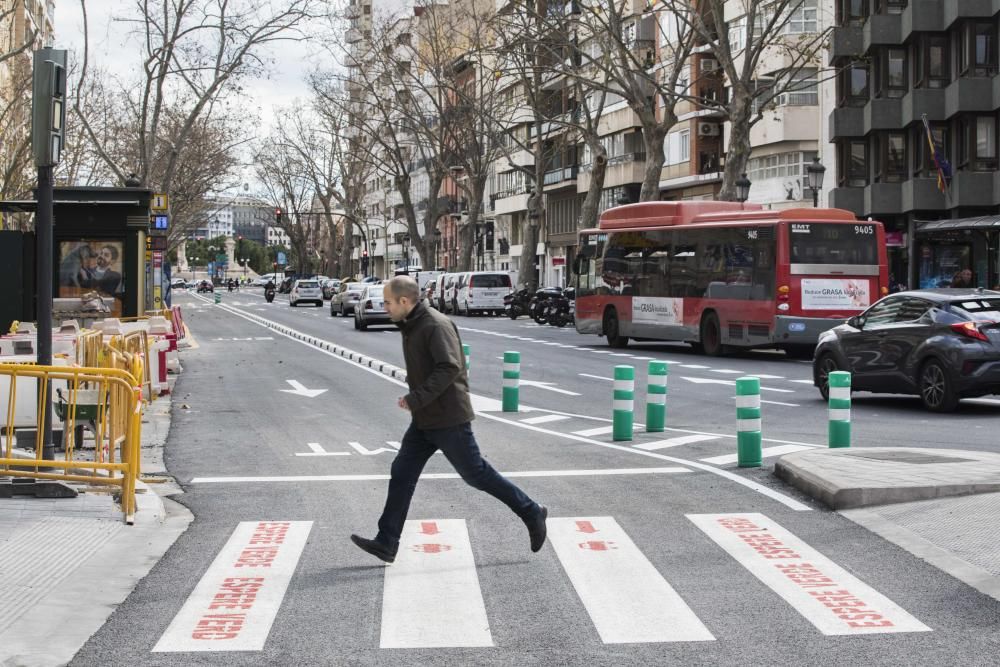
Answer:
(945, 247)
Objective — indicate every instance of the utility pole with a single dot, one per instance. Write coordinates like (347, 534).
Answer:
(48, 119)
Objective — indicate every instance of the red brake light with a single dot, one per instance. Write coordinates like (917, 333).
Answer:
(971, 330)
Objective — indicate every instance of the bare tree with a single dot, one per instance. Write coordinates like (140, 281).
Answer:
(16, 173)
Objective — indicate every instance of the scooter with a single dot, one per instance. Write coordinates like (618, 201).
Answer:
(539, 303)
(561, 308)
(269, 294)
(516, 303)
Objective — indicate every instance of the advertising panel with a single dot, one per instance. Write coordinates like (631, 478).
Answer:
(91, 268)
(835, 294)
(657, 310)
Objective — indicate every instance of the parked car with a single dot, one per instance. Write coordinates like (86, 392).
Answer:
(178, 283)
(940, 344)
(445, 285)
(346, 298)
(456, 288)
(371, 308)
(205, 286)
(305, 290)
(483, 292)
(330, 286)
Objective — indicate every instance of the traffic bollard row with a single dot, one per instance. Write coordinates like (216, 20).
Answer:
(465, 351)
(656, 396)
(748, 423)
(511, 381)
(623, 403)
(839, 432)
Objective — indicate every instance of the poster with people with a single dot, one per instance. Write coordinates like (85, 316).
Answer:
(92, 268)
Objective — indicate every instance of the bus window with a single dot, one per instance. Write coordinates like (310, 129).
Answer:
(763, 268)
(824, 243)
(685, 268)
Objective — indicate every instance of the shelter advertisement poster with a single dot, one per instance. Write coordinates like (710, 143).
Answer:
(835, 294)
(92, 267)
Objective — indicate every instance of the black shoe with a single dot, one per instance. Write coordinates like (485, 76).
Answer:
(536, 528)
(377, 549)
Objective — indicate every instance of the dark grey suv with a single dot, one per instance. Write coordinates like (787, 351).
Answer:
(940, 344)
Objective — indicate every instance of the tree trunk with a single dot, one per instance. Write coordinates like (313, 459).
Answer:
(346, 248)
(590, 209)
(738, 147)
(468, 232)
(652, 138)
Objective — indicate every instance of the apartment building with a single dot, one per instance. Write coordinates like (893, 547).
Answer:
(902, 62)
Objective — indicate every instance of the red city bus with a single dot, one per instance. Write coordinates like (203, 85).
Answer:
(724, 274)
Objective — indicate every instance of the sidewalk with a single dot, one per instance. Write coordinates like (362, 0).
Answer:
(942, 505)
(66, 564)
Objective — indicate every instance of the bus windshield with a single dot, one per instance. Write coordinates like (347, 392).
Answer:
(825, 243)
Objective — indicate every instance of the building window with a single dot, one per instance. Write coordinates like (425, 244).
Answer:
(853, 84)
(892, 80)
(801, 90)
(802, 19)
(977, 49)
(685, 141)
(737, 34)
(932, 62)
(852, 12)
(977, 143)
(891, 158)
(854, 164)
(923, 164)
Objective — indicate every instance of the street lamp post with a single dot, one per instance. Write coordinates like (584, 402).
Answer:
(814, 173)
(406, 254)
(437, 248)
(742, 188)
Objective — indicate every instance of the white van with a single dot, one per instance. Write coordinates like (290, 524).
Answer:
(446, 291)
(483, 292)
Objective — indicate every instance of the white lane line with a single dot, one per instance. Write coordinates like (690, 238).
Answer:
(364, 451)
(317, 450)
(985, 401)
(234, 604)
(620, 354)
(674, 442)
(595, 377)
(628, 600)
(766, 452)
(787, 405)
(602, 472)
(600, 430)
(802, 381)
(727, 371)
(764, 376)
(833, 600)
(431, 596)
(693, 366)
(395, 444)
(644, 358)
(543, 419)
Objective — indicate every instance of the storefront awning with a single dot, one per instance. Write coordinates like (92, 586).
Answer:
(983, 222)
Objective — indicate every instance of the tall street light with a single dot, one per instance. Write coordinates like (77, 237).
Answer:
(437, 248)
(814, 174)
(742, 188)
(406, 254)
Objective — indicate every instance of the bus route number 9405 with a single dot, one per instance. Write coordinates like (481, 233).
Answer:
(864, 229)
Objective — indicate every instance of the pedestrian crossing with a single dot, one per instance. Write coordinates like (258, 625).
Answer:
(432, 596)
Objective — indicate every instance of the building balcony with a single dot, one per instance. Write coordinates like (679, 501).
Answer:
(922, 16)
(882, 29)
(846, 42)
(847, 122)
(883, 113)
(883, 198)
(974, 188)
(930, 101)
(510, 201)
(953, 11)
(352, 36)
(849, 199)
(561, 177)
(922, 194)
(969, 94)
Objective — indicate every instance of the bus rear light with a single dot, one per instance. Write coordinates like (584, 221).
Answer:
(884, 291)
(784, 289)
(783, 307)
(782, 297)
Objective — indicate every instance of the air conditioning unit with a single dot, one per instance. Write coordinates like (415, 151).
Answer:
(708, 129)
(709, 65)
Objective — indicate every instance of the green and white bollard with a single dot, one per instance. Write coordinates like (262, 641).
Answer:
(840, 409)
(465, 351)
(748, 454)
(656, 396)
(511, 380)
(624, 403)
(218, 297)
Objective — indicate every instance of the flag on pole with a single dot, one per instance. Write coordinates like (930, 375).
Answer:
(941, 163)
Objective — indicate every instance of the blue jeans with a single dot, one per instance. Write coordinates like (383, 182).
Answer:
(459, 446)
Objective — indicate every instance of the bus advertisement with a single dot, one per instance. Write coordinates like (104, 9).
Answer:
(723, 275)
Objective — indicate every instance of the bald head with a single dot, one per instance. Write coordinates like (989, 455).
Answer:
(401, 295)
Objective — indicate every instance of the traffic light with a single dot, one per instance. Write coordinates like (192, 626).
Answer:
(48, 106)
(277, 215)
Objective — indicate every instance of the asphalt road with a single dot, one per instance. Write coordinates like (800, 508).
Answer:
(640, 568)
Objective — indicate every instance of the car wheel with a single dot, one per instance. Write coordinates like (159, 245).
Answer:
(332, 313)
(936, 388)
(825, 365)
(611, 329)
(468, 311)
(711, 335)
(357, 324)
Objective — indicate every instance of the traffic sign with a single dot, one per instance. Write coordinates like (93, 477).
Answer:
(160, 222)
(158, 202)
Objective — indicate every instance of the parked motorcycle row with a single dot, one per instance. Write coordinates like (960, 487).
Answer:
(548, 305)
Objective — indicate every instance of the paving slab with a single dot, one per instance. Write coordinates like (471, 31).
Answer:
(863, 477)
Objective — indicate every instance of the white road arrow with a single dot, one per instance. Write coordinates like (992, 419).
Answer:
(731, 383)
(361, 449)
(547, 387)
(299, 390)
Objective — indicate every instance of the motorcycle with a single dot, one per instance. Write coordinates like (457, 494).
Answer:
(539, 303)
(269, 294)
(516, 303)
(561, 308)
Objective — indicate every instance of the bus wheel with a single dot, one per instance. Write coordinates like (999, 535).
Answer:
(711, 335)
(611, 330)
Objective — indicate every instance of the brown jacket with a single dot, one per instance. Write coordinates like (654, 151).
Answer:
(435, 370)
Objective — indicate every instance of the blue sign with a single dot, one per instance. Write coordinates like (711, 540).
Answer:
(797, 327)
(161, 222)
(281, 258)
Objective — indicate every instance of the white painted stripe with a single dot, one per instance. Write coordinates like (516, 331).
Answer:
(748, 401)
(840, 393)
(620, 354)
(512, 367)
(692, 366)
(840, 415)
(764, 376)
(511, 382)
(656, 399)
(782, 391)
(828, 596)
(727, 371)
(596, 377)
(395, 444)
(599, 472)
(674, 442)
(623, 405)
(600, 430)
(431, 596)
(643, 358)
(802, 381)
(752, 425)
(624, 385)
(234, 604)
(766, 452)
(628, 600)
(543, 419)
(657, 380)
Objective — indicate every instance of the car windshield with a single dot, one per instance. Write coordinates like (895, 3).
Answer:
(375, 292)
(488, 281)
(308, 284)
(987, 310)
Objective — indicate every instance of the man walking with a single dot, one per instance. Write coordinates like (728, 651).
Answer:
(440, 419)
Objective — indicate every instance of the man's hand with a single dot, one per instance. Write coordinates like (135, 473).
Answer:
(402, 403)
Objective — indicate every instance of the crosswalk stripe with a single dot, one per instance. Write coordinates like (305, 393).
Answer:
(234, 604)
(431, 597)
(766, 452)
(802, 381)
(543, 419)
(626, 598)
(829, 597)
(674, 442)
